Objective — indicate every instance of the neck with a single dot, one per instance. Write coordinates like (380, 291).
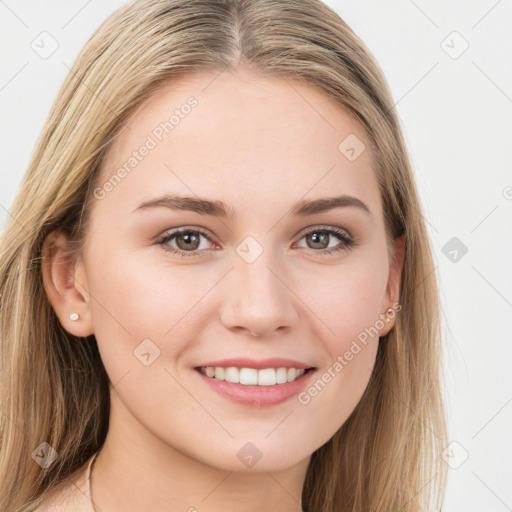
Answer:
(135, 471)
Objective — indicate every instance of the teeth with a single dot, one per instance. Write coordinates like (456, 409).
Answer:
(282, 375)
(252, 376)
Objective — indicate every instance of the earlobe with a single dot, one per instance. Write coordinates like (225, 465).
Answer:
(65, 286)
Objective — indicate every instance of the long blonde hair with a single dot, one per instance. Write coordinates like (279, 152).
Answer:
(54, 387)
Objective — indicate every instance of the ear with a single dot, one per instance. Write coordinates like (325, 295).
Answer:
(65, 284)
(393, 287)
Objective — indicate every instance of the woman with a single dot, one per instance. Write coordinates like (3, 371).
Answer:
(217, 292)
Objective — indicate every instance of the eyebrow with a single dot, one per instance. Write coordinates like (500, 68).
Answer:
(220, 209)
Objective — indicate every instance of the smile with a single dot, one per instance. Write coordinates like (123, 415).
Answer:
(253, 376)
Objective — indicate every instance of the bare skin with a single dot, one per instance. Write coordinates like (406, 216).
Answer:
(259, 145)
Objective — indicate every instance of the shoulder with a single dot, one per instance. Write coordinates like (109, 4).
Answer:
(71, 495)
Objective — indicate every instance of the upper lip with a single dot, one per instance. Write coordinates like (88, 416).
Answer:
(244, 362)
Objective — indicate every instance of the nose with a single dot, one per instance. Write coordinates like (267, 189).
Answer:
(258, 300)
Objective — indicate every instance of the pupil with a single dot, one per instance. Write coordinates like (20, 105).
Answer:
(316, 237)
(189, 240)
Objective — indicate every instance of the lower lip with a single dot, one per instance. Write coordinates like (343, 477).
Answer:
(257, 396)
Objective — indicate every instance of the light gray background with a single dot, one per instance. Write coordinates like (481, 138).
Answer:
(455, 110)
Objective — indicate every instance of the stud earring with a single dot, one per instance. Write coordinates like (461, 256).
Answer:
(74, 316)
(388, 311)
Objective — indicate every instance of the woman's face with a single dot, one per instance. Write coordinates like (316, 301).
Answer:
(259, 149)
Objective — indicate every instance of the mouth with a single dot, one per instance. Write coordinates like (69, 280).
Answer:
(247, 376)
(256, 382)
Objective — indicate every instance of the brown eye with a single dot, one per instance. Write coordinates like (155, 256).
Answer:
(319, 238)
(187, 240)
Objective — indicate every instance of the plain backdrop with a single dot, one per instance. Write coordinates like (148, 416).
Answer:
(449, 67)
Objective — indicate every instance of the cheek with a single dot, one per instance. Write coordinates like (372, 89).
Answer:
(136, 298)
(349, 306)
(337, 389)
(143, 293)
(351, 312)
(348, 300)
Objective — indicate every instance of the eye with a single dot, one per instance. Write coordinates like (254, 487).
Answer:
(188, 241)
(319, 238)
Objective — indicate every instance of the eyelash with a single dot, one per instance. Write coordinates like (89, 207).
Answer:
(348, 242)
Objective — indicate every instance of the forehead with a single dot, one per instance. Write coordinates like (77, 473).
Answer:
(242, 136)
